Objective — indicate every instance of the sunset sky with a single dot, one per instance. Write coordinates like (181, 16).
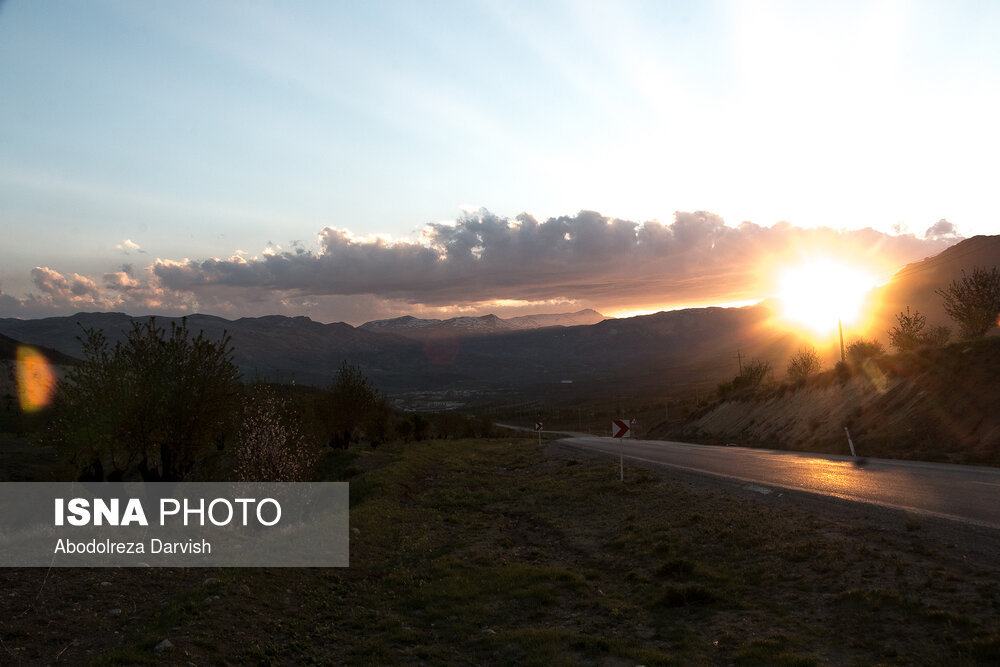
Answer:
(352, 161)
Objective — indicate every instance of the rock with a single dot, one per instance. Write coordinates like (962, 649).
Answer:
(356, 531)
(163, 646)
(211, 581)
(115, 612)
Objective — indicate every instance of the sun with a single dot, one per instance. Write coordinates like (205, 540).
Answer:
(821, 292)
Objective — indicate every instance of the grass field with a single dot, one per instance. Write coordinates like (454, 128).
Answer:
(502, 552)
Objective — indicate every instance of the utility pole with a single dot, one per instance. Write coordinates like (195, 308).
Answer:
(840, 326)
(739, 358)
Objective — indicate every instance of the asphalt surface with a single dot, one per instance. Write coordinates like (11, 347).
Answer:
(970, 494)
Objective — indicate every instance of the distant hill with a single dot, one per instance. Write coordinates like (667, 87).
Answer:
(9, 346)
(272, 347)
(413, 327)
(652, 351)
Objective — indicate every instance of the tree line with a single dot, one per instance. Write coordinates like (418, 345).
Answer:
(168, 406)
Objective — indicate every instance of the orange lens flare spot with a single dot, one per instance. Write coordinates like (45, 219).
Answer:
(35, 379)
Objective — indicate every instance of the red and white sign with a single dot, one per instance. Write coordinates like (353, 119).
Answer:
(538, 426)
(619, 428)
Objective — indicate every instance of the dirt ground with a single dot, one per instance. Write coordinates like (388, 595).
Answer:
(501, 552)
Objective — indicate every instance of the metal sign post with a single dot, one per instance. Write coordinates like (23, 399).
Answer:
(619, 429)
(538, 429)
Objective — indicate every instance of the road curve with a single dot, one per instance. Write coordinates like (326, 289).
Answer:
(963, 493)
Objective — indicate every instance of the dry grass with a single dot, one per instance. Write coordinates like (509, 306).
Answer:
(501, 552)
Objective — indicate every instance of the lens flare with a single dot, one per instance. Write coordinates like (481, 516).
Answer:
(35, 379)
(819, 293)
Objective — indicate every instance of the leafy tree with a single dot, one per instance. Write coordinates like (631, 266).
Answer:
(452, 425)
(862, 349)
(803, 364)
(377, 422)
(421, 427)
(483, 427)
(403, 429)
(156, 402)
(974, 301)
(354, 407)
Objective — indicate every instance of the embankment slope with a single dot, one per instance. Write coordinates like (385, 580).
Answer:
(931, 404)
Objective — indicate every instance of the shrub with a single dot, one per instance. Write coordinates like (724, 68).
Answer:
(910, 333)
(754, 372)
(862, 349)
(803, 364)
(937, 336)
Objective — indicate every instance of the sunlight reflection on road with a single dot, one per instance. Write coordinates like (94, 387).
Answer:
(966, 493)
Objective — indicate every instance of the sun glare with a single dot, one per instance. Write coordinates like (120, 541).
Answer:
(819, 293)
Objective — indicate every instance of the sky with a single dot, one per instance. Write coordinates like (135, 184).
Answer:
(352, 161)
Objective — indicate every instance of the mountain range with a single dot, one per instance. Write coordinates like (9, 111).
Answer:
(563, 357)
(413, 327)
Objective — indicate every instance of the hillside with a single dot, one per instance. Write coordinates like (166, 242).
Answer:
(915, 284)
(930, 405)
(648, 353)
(9, 346)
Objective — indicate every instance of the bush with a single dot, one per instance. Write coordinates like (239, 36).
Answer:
(937, 336)
(974, 301)
(754, 373)
(803, 364)
(154, 402)
(863, 349)
(909, 333)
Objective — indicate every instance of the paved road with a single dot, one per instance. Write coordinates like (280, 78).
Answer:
(964, 493)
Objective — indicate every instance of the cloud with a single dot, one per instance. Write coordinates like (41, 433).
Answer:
(482, 263)
(483, 257)
(127, 246)
(61, 290)
(942, 230)
(122, 290)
